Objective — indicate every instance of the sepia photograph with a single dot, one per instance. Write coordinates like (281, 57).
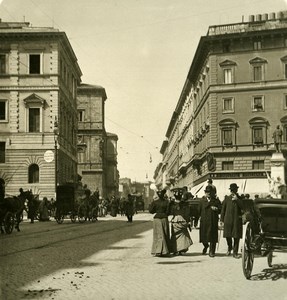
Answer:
(143, 149)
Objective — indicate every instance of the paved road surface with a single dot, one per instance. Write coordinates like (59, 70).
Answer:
(111, 259)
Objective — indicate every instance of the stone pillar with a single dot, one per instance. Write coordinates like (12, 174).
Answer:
(278, 166)
(277, 180)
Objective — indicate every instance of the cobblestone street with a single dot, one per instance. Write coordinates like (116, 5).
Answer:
(111, 259)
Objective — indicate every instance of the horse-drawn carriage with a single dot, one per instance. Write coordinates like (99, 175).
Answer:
(265, 231)
(65, 203)
(11, 211)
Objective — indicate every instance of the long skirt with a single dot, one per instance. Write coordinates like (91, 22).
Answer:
(180, 237)
(161, 241)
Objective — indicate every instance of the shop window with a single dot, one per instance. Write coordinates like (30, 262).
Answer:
(33, 173)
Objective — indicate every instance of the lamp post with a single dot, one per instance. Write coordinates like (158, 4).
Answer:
(56, 133)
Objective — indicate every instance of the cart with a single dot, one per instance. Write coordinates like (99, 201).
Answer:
(65, 203)
(265, 232)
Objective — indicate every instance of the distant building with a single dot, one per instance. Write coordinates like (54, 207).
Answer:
(233, 98)
(39, 75)
(97, 154)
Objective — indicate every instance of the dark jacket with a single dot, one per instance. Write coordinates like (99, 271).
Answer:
(160, 208)
(181, 209)
(208, 231)
(231, 215)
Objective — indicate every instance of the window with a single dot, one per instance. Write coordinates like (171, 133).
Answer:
(227, 136)
(258, 130)
(3, 110)
(228, 132)
(2, 64)
(258, 165)
(285, 71)
(227, 165)
(33, 176)
(34, 119)
(285, 101)
(258, 135)
(34, 64)
(257, 45)
(81, 115)
(228, 105)
(227, 76)
(258, 68)
(2, 152)
(257, 73)
(226, 47)
(258, 103)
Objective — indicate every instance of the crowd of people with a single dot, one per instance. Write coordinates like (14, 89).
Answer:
(174, 216)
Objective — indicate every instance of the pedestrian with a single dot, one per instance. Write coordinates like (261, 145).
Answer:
(209, 209)
(210, 183)
(129, 208)
(161, 234)
(231, 217)
(114, 206)
(180, 226)
(2, 190)
(32, 207)
(43, 210)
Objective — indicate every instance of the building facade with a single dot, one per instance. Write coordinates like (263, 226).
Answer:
(232, 100)
(97, 149)
(39, 75)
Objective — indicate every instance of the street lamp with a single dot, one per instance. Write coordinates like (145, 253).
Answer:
(56, 134)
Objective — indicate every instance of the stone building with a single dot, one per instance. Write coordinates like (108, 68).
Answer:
(97, 149)
(39, 75)
(233, 98)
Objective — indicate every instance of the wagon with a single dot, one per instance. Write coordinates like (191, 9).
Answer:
(65, 203)
(265, 232)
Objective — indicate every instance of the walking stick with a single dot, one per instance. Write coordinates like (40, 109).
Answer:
(219, 237)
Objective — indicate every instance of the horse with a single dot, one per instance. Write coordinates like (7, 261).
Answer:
(14, 205)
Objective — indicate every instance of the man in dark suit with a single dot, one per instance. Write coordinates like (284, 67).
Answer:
(209, 209)
(231, 216)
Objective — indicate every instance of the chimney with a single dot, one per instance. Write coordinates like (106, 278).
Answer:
(258, 17)
(264, 17)
(251, 18)
(272, 16)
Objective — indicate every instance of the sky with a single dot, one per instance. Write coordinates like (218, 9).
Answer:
(140, 51)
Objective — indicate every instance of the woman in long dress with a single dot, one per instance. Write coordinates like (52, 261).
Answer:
(180, 227)
(161, 239)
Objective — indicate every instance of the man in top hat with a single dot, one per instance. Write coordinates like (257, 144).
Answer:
(209, 209)
(231, 216)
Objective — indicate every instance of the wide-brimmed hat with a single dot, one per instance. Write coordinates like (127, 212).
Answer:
(233, 186)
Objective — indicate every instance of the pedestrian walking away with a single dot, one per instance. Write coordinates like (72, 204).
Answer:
(231, 219)
(180, 226)
(129, 208)
(161, 234)
(209, 210)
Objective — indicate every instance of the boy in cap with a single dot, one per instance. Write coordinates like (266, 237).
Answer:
(231, 216)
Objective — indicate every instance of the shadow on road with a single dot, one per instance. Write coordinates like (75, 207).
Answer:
(275, 273)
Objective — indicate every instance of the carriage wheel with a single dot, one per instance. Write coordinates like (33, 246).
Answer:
(270, 258)
(247, 254)
(59, 217)
(82, 214)
(73, 217)
(9, 222)
(94, 214)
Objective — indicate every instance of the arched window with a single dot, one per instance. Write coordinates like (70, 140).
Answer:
(33, 176)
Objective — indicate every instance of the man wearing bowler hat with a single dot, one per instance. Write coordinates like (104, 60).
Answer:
(209, 209)
(231, 216)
